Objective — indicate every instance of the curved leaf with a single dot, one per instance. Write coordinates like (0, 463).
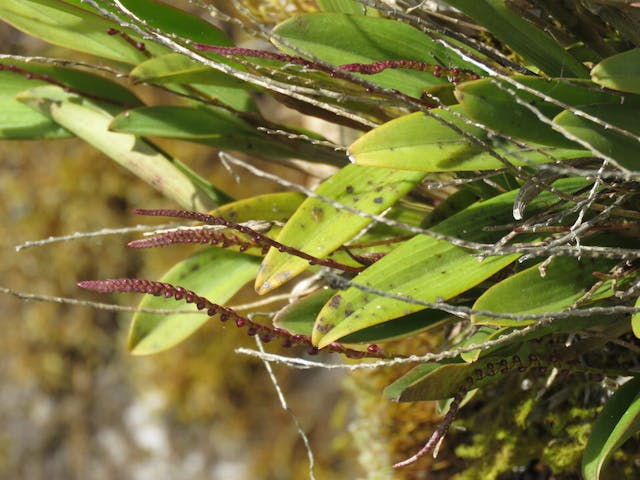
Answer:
(318, 228)
(567, 280)
(212, 126)
(340, 39)
(186, 123)
(490, 102)
(298, 318)
(170, 20)
(61, 23)
(214, 273)
(619, 420)
(522, 36)
(269, 206)
(174, 68)
(621, 148)
(425, 143)
(619, 72)
(425, 269)
(20, 121)
(635, 320)
(91, 123)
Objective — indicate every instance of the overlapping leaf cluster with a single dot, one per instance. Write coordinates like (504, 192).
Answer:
(493, 188)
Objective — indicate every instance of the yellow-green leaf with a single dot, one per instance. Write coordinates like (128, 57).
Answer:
(429, 144)
(213, 273)
(319, 228)
(425, 268)
(619, 420)
(619, 72)
(566, 280)
(90, 122)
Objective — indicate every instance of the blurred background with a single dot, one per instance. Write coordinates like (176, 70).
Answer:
(73, 403)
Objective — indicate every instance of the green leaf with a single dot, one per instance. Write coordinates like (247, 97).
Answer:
(429, 381)
(176, 69)
(619, 72)
(211, 126)
(425, 143)
(617, 146)
(19, 121)
(187, 123)
(522, 36)
(567, 279)
(635, 320)
(318, 228)
(489, 102)
(66, 25)
(276, 207)
(298, 318)
(90, 122)
(618, 421)
(341, 39)
(172, 21)
(426, 269)
(346, 6)
(213, 273)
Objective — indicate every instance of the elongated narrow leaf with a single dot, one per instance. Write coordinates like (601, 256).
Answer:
(174, 21)
(522, 36)
(20, 121)
(430, 144)
(346, 6)
(91, 123)
(318, 228)
(61, 23)
(494, 103)
(17, 120)
(619, 420)
(340, 39)
(424, 268)
(635, 320)
(299, 316)
(184, 123)
(175, 69)
(213, 273)
(409, 387)
(621, 148)
(440, 380)
(566, 280)
(215, 127)
(619, 72)
(270, 206)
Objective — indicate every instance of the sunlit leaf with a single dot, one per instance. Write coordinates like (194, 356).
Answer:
(346, 6)
(20, 121)
(299, 316)
(425, 268)
(214, 273)
(566, 280)
(318, 228)
(269, 206)
(430, 144)
(341, 39)
(63, 24)
(91, 123)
